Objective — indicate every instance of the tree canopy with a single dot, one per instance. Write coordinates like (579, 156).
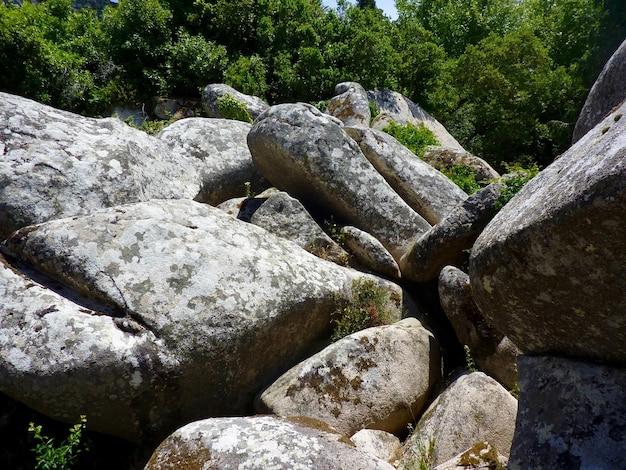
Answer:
(507, 77)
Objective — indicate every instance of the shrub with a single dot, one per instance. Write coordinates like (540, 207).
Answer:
(371, 305)
(62, 457)
(412, 137)
(515, 180)
(463, 177)
(231, 108)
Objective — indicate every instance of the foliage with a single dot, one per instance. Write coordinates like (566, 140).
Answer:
(422, 455)
(371, 305)
(463, 177)
(63, 456)
(416, 139)
(514, 181)
(231, 108)
(469, 360)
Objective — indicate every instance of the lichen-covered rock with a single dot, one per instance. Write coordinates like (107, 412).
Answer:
(473, 408)
(446, 243)
(260, 443)
(213, 92)
(58, 164)
(377, 378)
(481, 455)
(549, 269)
(428, 191)
(394, 106)
(286, 217)
(370, 252)
(218, 149)
(379, 443)
(607, 92)
(307, 154)
(571, 415)
(446, 157)
(192, 302)
(493, 352)
(350, 105)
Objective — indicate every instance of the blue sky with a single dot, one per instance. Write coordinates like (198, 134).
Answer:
(388, 6)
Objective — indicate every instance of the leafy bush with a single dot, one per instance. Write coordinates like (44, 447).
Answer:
(64, 456)
(231, 108)
(416, 139)
(515, 180)
(463, 177)
(371, 305)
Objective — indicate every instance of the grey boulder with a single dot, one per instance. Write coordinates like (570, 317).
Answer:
(350, 105)
(213, 92)
(369, 252)
(447, 157)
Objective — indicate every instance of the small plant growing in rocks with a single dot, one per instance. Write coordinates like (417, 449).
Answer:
(231, 108)
(416, 139)
(463, 177)
(62, 457)
(515, 180)
(371, 305)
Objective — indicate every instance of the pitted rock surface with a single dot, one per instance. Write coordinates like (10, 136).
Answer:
(58, 164)
(428, 191)
(218, 150)
(377, 378)
(206, 293)
(473, 408)
(548, 270)
(307, 154)
(260, 443)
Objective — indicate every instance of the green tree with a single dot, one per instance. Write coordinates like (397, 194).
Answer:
(366, 4)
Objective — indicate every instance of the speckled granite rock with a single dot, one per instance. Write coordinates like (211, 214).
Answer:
(260, 443)
(306, 153)
(377, 378)
(58, 164)
(218, 149)
(159, 304)
(213, 92)
(350, 105)
(548, 270)
(446, 157)
(370, 252)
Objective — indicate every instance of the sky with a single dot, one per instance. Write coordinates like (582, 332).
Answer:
(387, 6)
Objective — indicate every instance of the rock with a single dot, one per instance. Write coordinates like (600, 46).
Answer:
(429, 192)
(58, 164)
(350, 105)
(176, 108)
(473, 408)
(370, 252)
(394, 106)
(608, 92)
(184, 305)
(218, 149)
(447, 157)
(543, 269)
(446, 243)
(480, 455)
(377, 378)
(493, 352)
(307, 154)
(378, 443)
(259, 443)
(285, 217)
(571, 415)
(212, 93)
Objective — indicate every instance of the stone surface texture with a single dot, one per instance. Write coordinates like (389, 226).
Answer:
(446, 157)
(260, 443)
(379, 443)
(350, 105)
(213, 92)
(370, 252)
(377, 378)
(548, 270)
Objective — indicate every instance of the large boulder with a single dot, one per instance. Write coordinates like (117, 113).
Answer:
(571, 415)
(446, 157)
(428, 191)
(447, 242)
(473, 408)
(548, 271)
(58, 164)
(260, 443)
(218, 150)
(306, 153)
(607, 92)
(396, 107)
(212, 93)
(158, 313)
(377, 378)
(369, 252)
(350, 105)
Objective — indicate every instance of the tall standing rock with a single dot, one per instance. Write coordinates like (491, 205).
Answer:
(549, 270)
(350, 105)
(307, 153)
